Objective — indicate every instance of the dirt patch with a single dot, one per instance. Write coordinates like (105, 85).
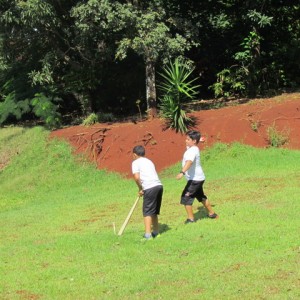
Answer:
(23, 294)
(246, 123)
(4, 160)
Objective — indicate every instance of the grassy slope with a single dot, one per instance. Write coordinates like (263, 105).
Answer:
(57, 237)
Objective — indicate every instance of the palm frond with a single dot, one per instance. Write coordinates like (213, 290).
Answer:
(177, 88)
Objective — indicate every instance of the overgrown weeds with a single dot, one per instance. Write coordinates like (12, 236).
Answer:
(277, 138)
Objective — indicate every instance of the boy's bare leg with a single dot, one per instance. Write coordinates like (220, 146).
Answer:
(207, 205)
(189, 210)
(155, 223)
(148, 223)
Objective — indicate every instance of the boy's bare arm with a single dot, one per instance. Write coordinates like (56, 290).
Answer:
(186, 166)
(137, 180)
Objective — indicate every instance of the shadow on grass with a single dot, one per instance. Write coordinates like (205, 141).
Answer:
(163, 228)
(201, 213)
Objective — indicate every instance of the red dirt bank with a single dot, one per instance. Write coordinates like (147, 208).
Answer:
(165, 147)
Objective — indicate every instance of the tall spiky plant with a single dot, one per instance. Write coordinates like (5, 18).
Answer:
(177, 88)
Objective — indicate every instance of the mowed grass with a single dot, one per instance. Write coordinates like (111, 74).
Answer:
(59, 216)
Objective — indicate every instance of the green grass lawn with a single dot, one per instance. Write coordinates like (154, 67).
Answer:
(58, 212)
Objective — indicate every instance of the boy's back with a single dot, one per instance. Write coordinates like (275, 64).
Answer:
(147, 171)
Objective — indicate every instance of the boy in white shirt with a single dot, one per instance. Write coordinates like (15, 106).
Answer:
(150, 187)
(191, 168)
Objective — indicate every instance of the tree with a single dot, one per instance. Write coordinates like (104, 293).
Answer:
(149, 28)
(41, 39)
(252, 48)
(78, 51)
(154, 31)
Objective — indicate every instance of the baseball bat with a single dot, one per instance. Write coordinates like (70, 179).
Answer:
(129, 216)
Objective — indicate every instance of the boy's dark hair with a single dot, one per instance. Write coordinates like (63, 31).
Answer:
(194, 135)
(139, 150)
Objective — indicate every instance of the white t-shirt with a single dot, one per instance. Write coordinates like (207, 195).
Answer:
(148, 175)
(195, 172)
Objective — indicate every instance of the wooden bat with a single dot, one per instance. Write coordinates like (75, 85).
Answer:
(129, 216)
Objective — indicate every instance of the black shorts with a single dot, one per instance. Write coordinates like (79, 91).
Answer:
(192, 190)
(152, 201)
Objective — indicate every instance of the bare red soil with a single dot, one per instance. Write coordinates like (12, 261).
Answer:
(110, 145)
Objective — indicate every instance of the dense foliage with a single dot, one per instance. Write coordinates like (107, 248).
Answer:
(70, 57)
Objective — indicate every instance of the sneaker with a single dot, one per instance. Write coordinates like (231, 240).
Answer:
(213, 216)
(187, 221)
(144, 239)
(155, 235)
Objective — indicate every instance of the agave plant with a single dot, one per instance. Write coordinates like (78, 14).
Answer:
(177, 88)
(174, 115)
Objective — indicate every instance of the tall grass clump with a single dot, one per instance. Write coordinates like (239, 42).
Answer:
(277, 138)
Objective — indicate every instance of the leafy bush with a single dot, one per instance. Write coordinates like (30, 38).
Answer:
(229, 83)
(45, 108)
(12, 107)
(14, 103)
(177, 88)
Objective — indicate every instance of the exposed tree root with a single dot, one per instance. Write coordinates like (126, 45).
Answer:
(92, 142)
(148, 137)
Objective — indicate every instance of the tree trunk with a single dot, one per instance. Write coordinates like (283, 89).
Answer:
(151, 89)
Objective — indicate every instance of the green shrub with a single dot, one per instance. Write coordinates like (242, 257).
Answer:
(177, 88)
(11, 107)
(45, 108)
(229, 83)
(175, 116)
